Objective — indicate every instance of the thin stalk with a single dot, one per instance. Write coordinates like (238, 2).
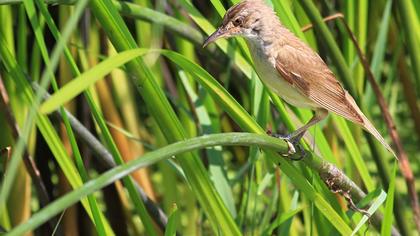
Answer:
(361, 31)
(348, 50)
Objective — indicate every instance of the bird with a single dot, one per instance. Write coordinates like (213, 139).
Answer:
(290, 68)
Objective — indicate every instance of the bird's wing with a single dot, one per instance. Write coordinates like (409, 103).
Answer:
(306, 71)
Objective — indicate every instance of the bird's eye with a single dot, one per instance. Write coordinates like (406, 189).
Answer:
(238, 21)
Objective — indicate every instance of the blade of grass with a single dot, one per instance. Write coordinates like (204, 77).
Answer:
(389, 205)
(281, 219)
(379, 51)
(127, 117)
(349, 12)
(402, 155)
(374, 207)
(88, 78)
(361, 33)
(173, 221)
(355, 153)
(129, 183)
(410, 26)
(216, 162)
(13, 113)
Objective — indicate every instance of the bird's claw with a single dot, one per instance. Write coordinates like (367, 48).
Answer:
(293, 146)
(290, 148)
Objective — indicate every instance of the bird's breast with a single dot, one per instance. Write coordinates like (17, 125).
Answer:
(268, 74)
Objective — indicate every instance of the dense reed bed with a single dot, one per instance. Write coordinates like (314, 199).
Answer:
(117, 122)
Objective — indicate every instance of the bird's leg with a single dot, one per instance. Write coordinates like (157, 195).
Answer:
(293, 138)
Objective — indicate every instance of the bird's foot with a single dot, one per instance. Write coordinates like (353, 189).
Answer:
(293, 146)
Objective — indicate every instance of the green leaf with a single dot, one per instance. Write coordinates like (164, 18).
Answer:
(355, 153)
(281, 219)
(87, 79)
(216, 162)
(173, 221)
(389, 204)
(372, 209)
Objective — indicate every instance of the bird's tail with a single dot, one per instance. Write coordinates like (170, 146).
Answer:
(369, 127)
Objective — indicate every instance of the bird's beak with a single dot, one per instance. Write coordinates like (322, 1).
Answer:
(219, 33)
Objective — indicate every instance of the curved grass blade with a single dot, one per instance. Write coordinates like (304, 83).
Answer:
(110, 176)
(280, 220)
(374, 207)
(85, 80)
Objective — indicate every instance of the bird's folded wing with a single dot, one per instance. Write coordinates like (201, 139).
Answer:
(308, 73)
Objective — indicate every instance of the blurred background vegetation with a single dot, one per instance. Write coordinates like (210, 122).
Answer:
(137, 102)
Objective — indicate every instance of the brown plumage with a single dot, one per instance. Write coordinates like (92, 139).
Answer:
(290, 67)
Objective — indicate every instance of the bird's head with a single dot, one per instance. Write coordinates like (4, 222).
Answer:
(244, 19)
